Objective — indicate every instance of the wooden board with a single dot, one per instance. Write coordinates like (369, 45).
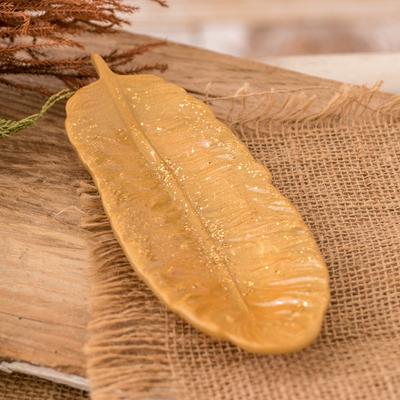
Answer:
(44, 256)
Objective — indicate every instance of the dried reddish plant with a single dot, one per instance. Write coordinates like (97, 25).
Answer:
(30, 31)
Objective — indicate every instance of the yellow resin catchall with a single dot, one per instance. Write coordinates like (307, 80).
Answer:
(198, 218)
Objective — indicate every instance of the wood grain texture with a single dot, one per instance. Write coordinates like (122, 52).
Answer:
(44, 257)
(43, 290)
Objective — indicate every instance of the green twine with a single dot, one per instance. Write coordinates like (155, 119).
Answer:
(8, 127)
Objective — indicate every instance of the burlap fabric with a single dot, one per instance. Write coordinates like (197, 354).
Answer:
(341, 167)
(24, 387)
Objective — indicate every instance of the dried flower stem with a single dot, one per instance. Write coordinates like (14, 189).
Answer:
(9, 127)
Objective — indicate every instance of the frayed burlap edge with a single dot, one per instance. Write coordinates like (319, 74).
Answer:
(117, 298)
(348, 104)
(17, 386)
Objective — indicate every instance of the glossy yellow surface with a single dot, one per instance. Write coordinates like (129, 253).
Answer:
(197, 216)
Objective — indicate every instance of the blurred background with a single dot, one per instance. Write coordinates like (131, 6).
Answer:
(306, 35)
(262, 28)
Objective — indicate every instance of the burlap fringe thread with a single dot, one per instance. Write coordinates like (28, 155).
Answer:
(349, 104)
(138, 350)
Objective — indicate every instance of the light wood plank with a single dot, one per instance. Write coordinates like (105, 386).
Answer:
(49, 374)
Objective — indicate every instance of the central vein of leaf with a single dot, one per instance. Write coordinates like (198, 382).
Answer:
(153, 157)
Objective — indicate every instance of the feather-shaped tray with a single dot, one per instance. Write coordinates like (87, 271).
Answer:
(198, 218)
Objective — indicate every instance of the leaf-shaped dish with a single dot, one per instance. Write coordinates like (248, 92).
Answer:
(196, 215)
